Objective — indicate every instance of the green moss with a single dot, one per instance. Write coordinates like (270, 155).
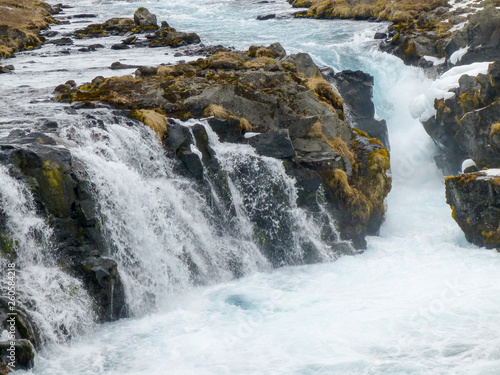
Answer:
(7, 246)
(53, 175)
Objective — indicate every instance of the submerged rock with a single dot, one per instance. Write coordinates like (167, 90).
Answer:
(285, 98)
(475, 202)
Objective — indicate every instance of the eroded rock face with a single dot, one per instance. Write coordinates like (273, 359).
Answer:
(475, 202)
(286, 98)
(63, 196)
(481, 37)
(466, 126)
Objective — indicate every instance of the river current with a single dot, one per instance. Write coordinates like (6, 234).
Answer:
(419, 300)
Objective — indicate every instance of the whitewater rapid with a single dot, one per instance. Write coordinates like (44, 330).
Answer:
(419, 300)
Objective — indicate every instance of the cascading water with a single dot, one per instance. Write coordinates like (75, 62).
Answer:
(420, 300)
(57, 302)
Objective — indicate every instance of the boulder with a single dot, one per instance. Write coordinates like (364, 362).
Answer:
(474, 199)
(142, 17)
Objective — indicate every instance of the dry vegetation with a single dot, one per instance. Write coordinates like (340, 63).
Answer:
(20, 23)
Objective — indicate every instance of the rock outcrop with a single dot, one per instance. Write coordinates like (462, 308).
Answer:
(422, 28)
(143, 22)
(20, 24)
(475, 202)
(466, 126)
(300, 115)
(62, 195)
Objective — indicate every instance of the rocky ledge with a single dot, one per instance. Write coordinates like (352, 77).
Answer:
(425, 30)
(20, 24)
(475, 202)
(298, 114)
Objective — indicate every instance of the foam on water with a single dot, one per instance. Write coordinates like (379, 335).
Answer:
(420, 300)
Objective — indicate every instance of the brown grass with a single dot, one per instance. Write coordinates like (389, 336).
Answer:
(24, 19)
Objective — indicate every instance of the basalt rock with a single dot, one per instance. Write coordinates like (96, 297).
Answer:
(300, 117)
(356, 87)
(64, 197)
(481, 37)
(466, 126)
(475, 202)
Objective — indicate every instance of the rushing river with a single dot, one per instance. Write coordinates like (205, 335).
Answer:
(419, 300)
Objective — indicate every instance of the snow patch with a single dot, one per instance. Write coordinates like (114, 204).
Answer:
(250, 135)
(435, 60)
(422, 107)
(467, 163)
(457, 55)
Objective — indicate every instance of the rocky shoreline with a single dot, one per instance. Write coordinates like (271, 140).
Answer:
(21, 22)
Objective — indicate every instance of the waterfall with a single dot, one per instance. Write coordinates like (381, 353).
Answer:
(167, 234)
(57, 302)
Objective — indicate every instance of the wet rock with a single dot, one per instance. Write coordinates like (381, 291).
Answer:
(62, 41)
(274, 144)
(266, 17)
(142, 17)
(64, 197)
(118, 65)
(103, 279)
(380, 36)
(120, 46)
(300, 116)
(474, 199)
(356, 87)
(19, 353)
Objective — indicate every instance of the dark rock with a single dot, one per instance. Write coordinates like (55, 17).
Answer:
(63, 196)
(85, 15)
(118, 65)
(380, 36)
(142, 17)
(130, 40)
(475, 202)
(62, 41)
(120, 46)
(19, 353)
(274, 144)
(481, 35)
(356, 87)
(266, 17)
(101, 275)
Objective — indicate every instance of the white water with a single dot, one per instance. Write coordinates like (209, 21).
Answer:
(420, 300)
(58, 304)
